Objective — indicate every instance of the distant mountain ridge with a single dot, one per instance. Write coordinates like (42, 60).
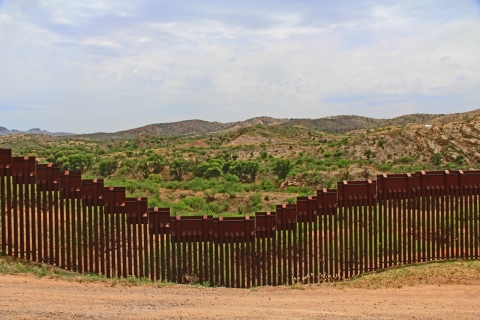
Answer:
(200, 126)
(4, 131)
(333, 124)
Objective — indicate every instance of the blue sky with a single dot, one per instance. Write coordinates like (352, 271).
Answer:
(88, 66)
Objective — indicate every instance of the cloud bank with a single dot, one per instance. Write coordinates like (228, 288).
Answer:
(87, 66)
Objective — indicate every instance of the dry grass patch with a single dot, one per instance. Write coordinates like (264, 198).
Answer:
(450, 272)
(10, 265)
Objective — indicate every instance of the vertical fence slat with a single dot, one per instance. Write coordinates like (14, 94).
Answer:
(5, 172)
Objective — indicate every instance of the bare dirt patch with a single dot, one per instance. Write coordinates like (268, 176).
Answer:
(25, 296)
(196, 143)
(247, 139)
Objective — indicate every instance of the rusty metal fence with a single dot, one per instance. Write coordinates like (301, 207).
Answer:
(58, 218)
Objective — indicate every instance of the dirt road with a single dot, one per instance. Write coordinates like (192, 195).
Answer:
(29, 297)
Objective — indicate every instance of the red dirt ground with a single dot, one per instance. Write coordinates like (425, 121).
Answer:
(28, 297)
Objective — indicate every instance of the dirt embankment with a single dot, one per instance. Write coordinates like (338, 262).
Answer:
(27, 297)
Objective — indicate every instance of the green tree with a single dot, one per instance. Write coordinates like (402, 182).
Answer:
(75, 162)
(239, 168)
(143, 168)
(226, 166)
(178, 167)
(251, 168)
(155, 163)
(61, 161)
(107, 167)
(282, 168)
(211, 168)
(128, 166)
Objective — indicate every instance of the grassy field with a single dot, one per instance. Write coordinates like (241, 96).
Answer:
(449, 272)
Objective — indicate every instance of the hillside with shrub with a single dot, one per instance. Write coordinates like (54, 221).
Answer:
(252, 168)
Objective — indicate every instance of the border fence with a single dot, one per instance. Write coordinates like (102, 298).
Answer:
(57, 218)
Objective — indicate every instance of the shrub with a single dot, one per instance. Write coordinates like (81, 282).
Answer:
(406, 159)
(224, 206)
(346, 175)
(197, 184)
(381, 143)
(241, 209)
(107, 167)
(213, 207)
(172, 185)
(179, 208)
(131, 187)
(315, 178)
(256, 199)
(155, 178)
(231, 178)
(267, 185)
(384, 167)
(291, 200)
(368, 153)
(123, 171)
(210, 194)
(196, 203)
(338, 153)
(343, 163)
(460, 159)
(282, 168)
(437, 159)
(329, 183)
(129, 163)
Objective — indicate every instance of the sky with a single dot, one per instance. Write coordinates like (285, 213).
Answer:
(90, 66)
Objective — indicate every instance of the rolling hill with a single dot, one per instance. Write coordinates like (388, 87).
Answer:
(335, 124)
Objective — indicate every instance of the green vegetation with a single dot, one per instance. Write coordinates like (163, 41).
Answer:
(276, 162)
(282, 168)
(437, 159)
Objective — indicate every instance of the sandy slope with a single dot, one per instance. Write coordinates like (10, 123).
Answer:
(29, 297)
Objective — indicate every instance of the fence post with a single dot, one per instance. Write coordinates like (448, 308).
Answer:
(5, 173)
